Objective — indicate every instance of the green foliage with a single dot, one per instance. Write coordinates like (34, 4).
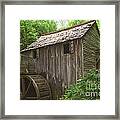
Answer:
(75, 22)
(98, 24)
(61, 24)
(87, 88)
(31, 30)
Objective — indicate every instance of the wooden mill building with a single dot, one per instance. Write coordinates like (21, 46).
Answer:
(64, 56)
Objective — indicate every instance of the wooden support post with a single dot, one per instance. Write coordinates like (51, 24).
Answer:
(76, 45)
(82, 58)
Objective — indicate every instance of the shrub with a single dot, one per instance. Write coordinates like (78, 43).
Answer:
(86, 88)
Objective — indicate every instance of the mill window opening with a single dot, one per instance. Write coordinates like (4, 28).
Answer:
(66, 48)
(34, 54)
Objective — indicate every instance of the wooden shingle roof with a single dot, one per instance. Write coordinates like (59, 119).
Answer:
(61, 36)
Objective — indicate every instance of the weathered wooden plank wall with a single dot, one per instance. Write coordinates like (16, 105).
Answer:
(72, 62)
(59, 68)
(91, 44)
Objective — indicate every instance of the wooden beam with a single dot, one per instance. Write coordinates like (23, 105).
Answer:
(82, 58)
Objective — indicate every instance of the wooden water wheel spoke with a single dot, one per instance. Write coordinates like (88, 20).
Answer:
(34, 87)
(27, 89)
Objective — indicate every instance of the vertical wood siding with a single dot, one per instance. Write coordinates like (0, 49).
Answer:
(61, 69)
(91, 43)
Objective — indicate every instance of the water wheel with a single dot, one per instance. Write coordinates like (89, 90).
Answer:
(34, 87)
